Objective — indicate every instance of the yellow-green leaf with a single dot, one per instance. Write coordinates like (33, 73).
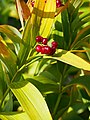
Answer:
(71, 59)
(48, 17)
(14, 116)
(31, 100)
(11, 32)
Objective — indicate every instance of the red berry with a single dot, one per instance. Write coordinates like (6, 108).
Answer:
(43, 50)
(39, 39)
(53, 50)
(54, 44)
(46, 50)
(38, 48)
(32, 3)
(58, 3)
(44, 41)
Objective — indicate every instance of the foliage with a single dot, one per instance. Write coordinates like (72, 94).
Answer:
(8, 13)
(35, 86)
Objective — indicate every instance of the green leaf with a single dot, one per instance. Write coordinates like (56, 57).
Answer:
(87, 51)
(1, 81)
(81, 34)
(14, 116)
(83, 81)
(82, 43)
(76, 3)
(45, 88)
(43, 79)
(71, 116)
(8, 58)
(45, 82)
(71, 59)
(84, 16)
(11, 32)
(66, 26)
(82, 23)
(8, 104)
(31, 100)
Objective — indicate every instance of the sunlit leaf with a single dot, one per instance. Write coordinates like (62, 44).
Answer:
(31, 100)
(11, 32)
(14, 116)
(45, 88)
(71, 59)
(43, 79)
(48, 17)
(76, 3)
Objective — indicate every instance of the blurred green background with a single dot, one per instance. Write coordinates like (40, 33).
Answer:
(8, 13)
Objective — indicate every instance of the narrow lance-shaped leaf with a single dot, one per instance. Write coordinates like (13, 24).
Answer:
(8, 106)
(8, 58)
(71, 59)
(31, 100)
(14, 116)
(1, 80)
(48, 17)
(11, 32)
(23, 11)
(66, 26)
(81, 34)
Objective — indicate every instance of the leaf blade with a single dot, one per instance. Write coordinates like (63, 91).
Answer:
(14, 116)
(26, 94)
(83, 81)
(71, 59)
(11, 32)
(48, 18)
(8, 58)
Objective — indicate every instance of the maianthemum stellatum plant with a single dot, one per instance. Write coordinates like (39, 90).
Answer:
(44, 68)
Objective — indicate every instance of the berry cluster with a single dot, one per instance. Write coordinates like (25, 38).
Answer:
(44, 48)
(58, 3)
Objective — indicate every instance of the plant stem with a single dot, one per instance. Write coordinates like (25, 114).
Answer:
(60, 90)
(59, 97)
(57, 103)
